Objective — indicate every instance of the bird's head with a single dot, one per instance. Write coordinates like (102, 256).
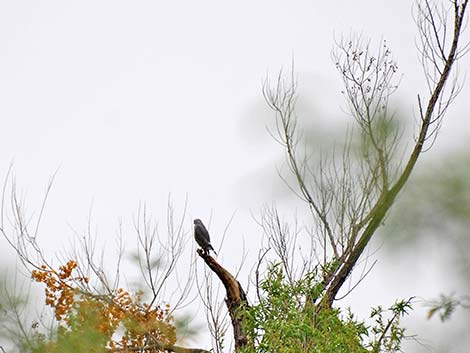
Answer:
(197, 221)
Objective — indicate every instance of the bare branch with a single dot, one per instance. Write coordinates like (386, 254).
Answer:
(378, 212)
(281, 99)
(235, 300)
(161, 347)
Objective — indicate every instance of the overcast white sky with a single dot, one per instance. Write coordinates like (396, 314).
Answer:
(133, 100)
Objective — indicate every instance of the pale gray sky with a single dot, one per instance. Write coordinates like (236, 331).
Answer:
(133, 100)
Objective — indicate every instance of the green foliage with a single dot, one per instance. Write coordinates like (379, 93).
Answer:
(81, 335)
(16, 326)
(286, 321)
(387, 335)
(445, 306)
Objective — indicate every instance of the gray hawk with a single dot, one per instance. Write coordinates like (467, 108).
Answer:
(202, 237)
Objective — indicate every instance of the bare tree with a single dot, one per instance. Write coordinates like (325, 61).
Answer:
(158, 258)
(350, 194)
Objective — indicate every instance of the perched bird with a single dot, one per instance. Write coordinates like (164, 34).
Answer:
(202, 237)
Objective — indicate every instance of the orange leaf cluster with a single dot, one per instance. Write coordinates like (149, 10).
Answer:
(59, 287)
(123, 320)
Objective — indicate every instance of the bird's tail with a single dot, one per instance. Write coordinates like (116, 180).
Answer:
(211, 248)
